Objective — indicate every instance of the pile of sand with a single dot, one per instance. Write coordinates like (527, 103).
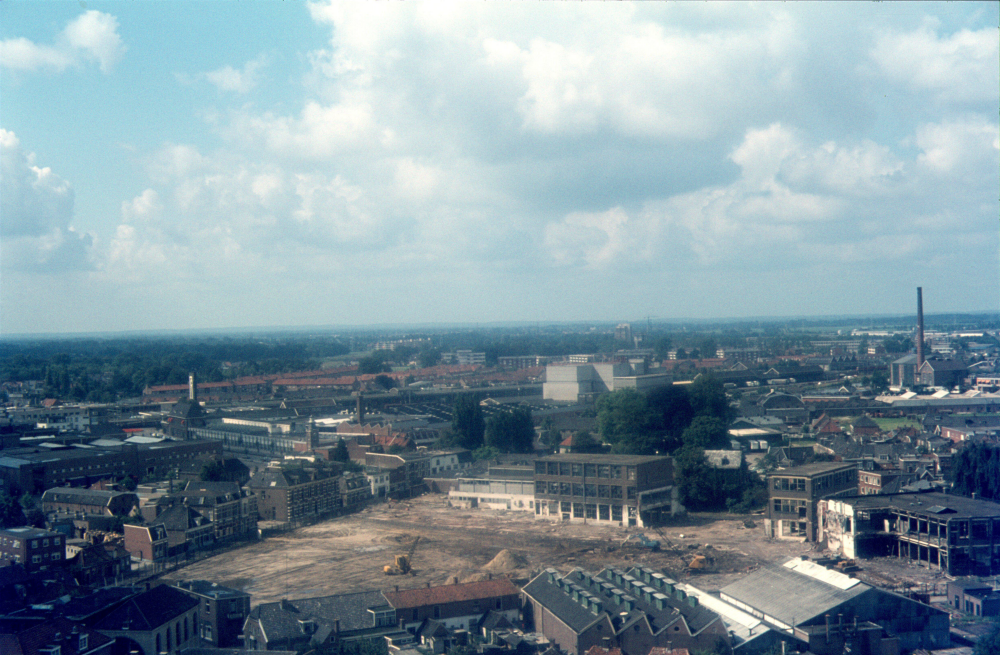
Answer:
(506, 562)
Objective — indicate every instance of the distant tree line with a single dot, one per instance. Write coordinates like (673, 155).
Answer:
(106, 370)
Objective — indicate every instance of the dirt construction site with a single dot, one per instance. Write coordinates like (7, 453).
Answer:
(447, 544)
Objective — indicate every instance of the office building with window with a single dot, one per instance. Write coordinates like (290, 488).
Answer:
(630, 490)
(794, 494)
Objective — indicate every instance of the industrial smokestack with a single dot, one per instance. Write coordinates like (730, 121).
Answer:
(920, 327)
(192, 388)
(361, 409)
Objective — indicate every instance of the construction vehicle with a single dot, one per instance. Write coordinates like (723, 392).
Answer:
(401, 564)
(641, 541)
(698, 563)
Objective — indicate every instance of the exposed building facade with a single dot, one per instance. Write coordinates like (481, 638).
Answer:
(958, 535)
(794, 494)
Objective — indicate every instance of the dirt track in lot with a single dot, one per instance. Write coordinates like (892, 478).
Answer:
(348, 553)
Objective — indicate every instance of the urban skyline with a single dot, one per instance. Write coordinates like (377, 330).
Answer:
(202, 166)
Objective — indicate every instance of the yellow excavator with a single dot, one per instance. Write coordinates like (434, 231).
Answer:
(401, 564)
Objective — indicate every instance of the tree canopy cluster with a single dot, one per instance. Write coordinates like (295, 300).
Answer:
(976, 469)
(682, 421)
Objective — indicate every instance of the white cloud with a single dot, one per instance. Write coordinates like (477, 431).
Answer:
(92, 36)
(967, 146)
(36, 206)
(22, 54)
(33, 199)
(242, 81)
(961, 67)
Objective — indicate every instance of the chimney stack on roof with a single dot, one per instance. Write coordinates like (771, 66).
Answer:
(920, 327)
(193, 387)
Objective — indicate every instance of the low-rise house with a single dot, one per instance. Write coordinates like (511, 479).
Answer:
(187, 530)
(232, 510)
(67, 500)
(222, 611)
(973, 598)
(864, 426)
(99, 564)
(33, 548)
(58, 636)
(355, 491)
(294, 624)
(161, 620)
(146, 543)
(633, 611)
(457, 606)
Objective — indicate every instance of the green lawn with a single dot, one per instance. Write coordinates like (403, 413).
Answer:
(895, 423)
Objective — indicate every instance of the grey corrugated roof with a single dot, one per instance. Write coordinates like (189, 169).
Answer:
(789, 596)
(603, 588)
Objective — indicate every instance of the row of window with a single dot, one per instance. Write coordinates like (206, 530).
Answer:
(789, 506)
(570, 469)
(591, 511)
(612, 492)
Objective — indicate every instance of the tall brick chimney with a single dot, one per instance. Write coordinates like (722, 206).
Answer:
(920, 327)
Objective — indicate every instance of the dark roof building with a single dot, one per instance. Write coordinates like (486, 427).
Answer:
(88, 501)
(634, 611)
(162, 619)
(222, 610)
(457, 606)
(290, 625)
(57, 636)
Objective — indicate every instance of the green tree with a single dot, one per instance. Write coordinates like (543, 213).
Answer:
(625, 420)
(340, 453)
(880, 382)
(467, 425)
(428, 358)
(989, 644)
(511, 430)
(11, 512)
(372, 364)
(706, 433)
(485, 452)
(672, 406)
(385, 382)
(584, 442)
(551, 437)
(212, 471)
(696, 480)
(708, 398)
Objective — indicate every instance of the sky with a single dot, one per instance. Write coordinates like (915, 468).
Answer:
(200, 165)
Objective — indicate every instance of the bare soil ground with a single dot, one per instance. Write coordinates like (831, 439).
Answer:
(348, 553)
